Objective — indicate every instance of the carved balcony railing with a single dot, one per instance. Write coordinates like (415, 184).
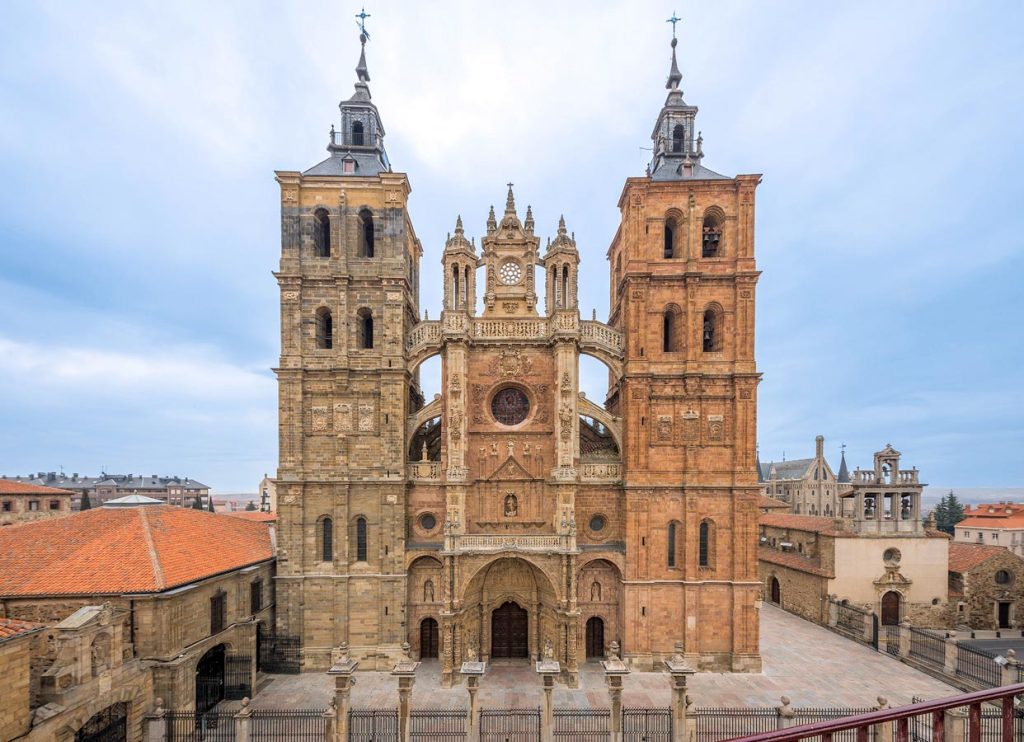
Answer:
(510, 329)
(901, 477)
(427, 332)
(425, 471)
(602, 335)
(600, 471)
(511, 543)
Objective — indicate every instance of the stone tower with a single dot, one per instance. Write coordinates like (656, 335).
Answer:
(348, 279)
(682, 294)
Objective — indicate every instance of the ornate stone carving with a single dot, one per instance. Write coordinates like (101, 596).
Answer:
(366, 415)
(343, 417)
(320, 419)
(716, 428)
(664, 427)
(511, 363)
(289, 295)
(511, 505)
(691, 425)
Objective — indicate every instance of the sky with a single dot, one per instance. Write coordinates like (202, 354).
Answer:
(139, 216)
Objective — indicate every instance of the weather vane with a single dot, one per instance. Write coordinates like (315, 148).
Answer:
(362, 15)
(673, 20)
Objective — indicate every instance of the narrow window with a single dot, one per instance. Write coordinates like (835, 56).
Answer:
(565, 287)
(327, 540)
(555, 286)
(678, 134)
(704, 550)
(670, 238)
(321, 234)
(357, 133)
(324, 328)
(360, 539)
(711, 236)
(455, 287)
(668, 331)
(364, 328)
(365, 233)
(671, 544)
(217, 613)
(712, 331)
(255, 596)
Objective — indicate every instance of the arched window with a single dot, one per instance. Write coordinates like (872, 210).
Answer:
(324, 328)
(555, 286)
(670, 237)
(669, 331)
(712, 330)
(671, 544)
(455, 287)
(364, 329)
(678, 134)
(705, 546)
(357, 133)
(711, 234)
(321, 234)
(360, 539)
(365, 233)
(326, 540)
(565, 287)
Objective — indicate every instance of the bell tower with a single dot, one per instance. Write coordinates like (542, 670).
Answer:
(509, 257)
(682, 293)
(348, 279)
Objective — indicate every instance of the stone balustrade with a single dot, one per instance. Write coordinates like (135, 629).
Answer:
(511, 543)
(601, 471)
(601, 334)
(425, 333)
(425, 471)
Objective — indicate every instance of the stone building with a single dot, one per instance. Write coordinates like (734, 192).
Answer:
(173, 490)
(15, 657)
(993, 524)
(808, 485)
(186, 592)
(21, 502)
(511, 512)
(987, 585)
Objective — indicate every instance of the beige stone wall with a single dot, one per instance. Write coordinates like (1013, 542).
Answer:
(802, 593)
(20, 511)
(858, 564)
(982, 594)
(15, 714)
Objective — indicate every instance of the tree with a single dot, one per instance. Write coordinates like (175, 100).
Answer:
(85, 504)
(948, 513)
(210, 508)
(197, 504)
(251, 506)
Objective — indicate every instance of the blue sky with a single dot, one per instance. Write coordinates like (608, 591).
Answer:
(139, 213)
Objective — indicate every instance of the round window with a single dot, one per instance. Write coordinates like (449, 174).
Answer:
(1003, 577)
(428, 522)
(892, 556)
(510, 406)
(597, 523)
(510, 273)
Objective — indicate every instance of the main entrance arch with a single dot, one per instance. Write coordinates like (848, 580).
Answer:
(210, 679)
(428, 639)
(891, 608)
(509, 631)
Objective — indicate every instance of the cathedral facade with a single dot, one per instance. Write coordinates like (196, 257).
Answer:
(510, 515)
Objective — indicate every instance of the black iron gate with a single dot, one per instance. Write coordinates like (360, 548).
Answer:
(279, 653)
(646, 725)
(109, 725)
(438, 725)
(582, 725)
(509, 725)
(373, 725)
(237, 677)
(210, 679)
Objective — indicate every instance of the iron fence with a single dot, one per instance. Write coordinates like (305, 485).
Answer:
(992, 725)
(814, 715)
(278, 725)
(280, 654)
(436, 725)
(715, 724)
(892, 640)
(237, 677)
(509, 725)
(584, 725)
(195, 726)
(646, 725)
(977, 666)
(851, 621)
(109, 725)
(927, 647)
(373, 725)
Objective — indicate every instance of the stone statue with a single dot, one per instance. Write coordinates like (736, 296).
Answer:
(549, 649)
(428, 591)
(511, 506)
(471, 654)
(595, 591)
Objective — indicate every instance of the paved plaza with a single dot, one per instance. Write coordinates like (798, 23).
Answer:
(808, 663)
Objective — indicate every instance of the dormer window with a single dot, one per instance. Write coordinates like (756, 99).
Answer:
(357, 134)
(348, 167)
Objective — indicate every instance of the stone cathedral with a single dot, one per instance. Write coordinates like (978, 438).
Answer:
(510, 516)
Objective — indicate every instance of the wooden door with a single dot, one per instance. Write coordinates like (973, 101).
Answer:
(595, 638)
(428, 638)
(1004, 615)
(776, 591)
(509, 626)
(891, 609)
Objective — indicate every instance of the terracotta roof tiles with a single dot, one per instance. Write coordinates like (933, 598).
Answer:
(793, 561)
(11, 628)
(812, 523)
(964, 557)
(13, 487)
(109, 551)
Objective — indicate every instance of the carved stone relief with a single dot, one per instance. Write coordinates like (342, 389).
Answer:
(320, 419)
(716, 428)
(366, 417)
(343, 417)
(664, 428)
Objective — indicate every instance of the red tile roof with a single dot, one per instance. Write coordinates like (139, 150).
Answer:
(792, 560)
(109, 551)
(964, 557)
(13, 627)
(254, 515)
(771, 503)
(11, 487)
(993, 515)
(812, 523)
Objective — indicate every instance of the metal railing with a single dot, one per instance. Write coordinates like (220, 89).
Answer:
(373, 725)
(509, 725)
(646, 725)
(927, 647)
(195, 726)
(582, 725)
(437, 725)
(861, 724)
(279, 725)
(978, 666)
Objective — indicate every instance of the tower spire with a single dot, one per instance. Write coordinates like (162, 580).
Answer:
(361, 70)
(674, 75)
(510, 201)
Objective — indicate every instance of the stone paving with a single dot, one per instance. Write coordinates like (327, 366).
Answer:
(808, 663)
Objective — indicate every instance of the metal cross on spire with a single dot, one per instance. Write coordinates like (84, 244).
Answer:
(673, 20)
(362, 15)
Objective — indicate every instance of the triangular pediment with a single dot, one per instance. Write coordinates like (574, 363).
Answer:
(511, 469)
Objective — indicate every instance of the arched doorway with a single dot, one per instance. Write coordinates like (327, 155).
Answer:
(595, 638)
(509, 631)
(775, 591)
(428, 638)
(109, 725)
(210, 679)
(891, 609)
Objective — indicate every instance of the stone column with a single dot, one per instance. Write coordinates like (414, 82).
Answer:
(1009, 670)
(787, 717)
(330, 721)
(473, 670)
(951, 654)
(883, 732)
(405, 671)
(954, 726)
(904, 638)
(614, 670)
(548, 668)
(342, 670)
(242, 722)
(155, 723)
(679, 670)
(833, 611)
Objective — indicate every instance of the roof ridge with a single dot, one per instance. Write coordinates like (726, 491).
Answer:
(154, 559)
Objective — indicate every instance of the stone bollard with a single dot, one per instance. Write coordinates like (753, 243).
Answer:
(679, 669)
(405, 671)
(243, 722)
(342, 668)
(786, 714)
(833, 611)
(330, 721)
(614, 670)
(155, 723)
(548, 668)
(869, 628)
(883, 732)
(473, 670)
(952, 656)
(1010, 670)
(955, 725)
(905, 637)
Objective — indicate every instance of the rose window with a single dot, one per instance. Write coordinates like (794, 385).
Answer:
(510, 406)
(510, 273)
